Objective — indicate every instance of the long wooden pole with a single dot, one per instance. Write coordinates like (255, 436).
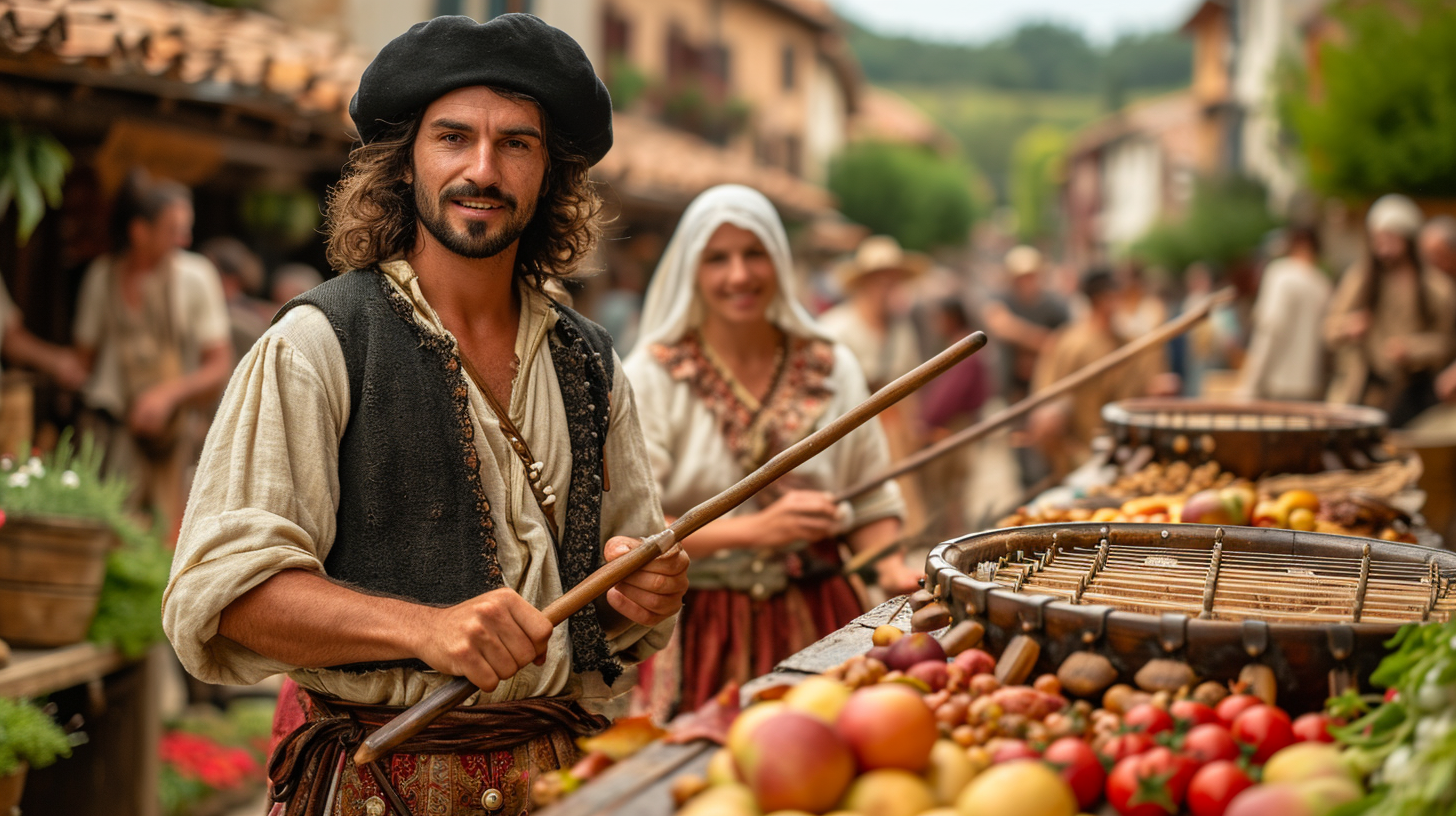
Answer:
(459, 690)
(1160, 335)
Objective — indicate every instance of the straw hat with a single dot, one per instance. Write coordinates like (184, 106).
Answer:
(1023, 260)
(1395, 213)
(879, 253)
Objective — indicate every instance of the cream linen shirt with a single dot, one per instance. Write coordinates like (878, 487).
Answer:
(267, 492)
(692, 461)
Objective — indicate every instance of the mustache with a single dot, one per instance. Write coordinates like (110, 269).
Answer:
(469, 190)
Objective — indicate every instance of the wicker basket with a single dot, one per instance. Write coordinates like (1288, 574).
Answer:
(1251, 439)
(51, 571)
(1315, 608)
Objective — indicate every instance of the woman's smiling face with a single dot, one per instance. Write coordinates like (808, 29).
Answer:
(736, 277)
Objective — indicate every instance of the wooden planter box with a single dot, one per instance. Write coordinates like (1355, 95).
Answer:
(51, 571)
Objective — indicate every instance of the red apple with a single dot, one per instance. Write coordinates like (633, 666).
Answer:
(793, 761)
(888, 726)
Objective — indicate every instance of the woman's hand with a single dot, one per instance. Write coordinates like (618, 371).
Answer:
(896, 578)
(799, 515)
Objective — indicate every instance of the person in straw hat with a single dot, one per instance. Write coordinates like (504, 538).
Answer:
(1391, 318)
(870, 320)
(729, 372)
(1023, 320)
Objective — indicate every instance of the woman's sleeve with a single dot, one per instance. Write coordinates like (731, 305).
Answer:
(865, 451)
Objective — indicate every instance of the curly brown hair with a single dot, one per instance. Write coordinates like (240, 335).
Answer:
(370, 216)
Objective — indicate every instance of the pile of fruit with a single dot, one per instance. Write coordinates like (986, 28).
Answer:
(1178, 492)
(910, 730)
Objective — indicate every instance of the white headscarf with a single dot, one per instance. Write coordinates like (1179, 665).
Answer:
(673, 306)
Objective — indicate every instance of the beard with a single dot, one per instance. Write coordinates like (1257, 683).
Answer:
(477, 240)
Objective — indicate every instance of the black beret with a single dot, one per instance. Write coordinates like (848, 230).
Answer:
(514, 52)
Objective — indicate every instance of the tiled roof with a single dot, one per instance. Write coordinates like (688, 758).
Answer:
(652, 161)
(183, 49)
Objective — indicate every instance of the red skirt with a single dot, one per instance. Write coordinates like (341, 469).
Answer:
(725, 636)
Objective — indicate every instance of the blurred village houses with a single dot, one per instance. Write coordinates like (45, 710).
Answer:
(1140, 163)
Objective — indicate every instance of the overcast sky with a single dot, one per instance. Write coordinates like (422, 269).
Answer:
(980, 20)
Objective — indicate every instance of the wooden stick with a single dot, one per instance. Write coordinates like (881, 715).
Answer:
(459, 690)
(1162, 334)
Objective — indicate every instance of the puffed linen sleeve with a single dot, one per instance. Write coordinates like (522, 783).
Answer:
(266, 491)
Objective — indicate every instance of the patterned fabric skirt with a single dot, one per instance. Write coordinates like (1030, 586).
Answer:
(475, 761)
(724, 636)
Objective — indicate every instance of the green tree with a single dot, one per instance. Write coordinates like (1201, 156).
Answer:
(1383, 115)
(908, 192)
(1225, 222)
(1036, 172)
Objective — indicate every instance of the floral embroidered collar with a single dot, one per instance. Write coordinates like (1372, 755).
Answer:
(756, 431)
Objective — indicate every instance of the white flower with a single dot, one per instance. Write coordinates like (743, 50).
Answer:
(7, 462)
(19, 479)
(70, 479)
(34, 467)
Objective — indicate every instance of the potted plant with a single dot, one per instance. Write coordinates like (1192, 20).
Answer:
(57, 515)
(29, 738)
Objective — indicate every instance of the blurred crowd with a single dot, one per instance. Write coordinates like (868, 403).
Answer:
(159, 327)
(157, 330)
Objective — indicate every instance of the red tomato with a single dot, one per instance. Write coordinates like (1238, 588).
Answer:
(1230, 707)
(1210, 742)
(1314, 727)
(1265, 728)
(1149, 784)
(1007, 750)
(1214, 786)
(1078, 765)
(1125, 745)
(1148, 718)
(1192, 712)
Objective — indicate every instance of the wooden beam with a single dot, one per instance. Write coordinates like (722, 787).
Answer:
(33, 673)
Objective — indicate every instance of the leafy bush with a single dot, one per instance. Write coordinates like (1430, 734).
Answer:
(1380, 115)
(32, 168)
(1037, 162)
(921, 199)
(1225, 222)
(28, 734)
(66, 482)
(214, 752)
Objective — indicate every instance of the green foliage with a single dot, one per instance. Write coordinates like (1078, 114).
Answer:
(689, 106)
(1225, 221)
(129, 613)
(1038, 56)
(68, 483)
(921, 199)
(284, 217)
(988, 123)
(28, 734)
(32, 169)
(626, 83)
(1385, 112)
(1036, 173)
(65, 482)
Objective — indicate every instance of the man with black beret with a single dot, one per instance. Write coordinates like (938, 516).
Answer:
(426, 450)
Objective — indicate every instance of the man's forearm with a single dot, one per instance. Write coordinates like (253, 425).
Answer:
(304, 619)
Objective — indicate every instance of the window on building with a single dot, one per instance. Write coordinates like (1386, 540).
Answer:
(788, 68)
(616, 33)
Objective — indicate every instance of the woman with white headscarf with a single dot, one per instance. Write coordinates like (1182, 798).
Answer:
(730, 370)
(1391, 318)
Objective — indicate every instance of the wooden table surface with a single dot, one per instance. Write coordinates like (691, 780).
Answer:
(641, 785)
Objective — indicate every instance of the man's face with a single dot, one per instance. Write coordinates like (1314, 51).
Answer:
(479, 161)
